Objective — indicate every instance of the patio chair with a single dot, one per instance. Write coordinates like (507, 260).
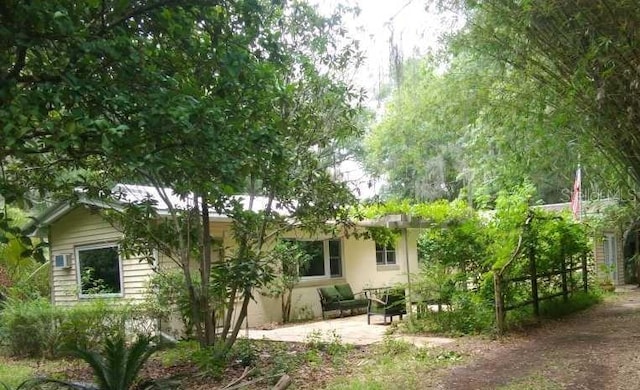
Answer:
(386, 302)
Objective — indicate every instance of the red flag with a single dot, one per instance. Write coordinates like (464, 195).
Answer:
(576, 196)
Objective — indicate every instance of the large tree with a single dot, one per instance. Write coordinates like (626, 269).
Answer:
(467, 124)
(579, 51)
(205, 99)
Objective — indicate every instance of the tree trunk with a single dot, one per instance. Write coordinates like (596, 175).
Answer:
(205, 274)
(286, 306)
(241, 317)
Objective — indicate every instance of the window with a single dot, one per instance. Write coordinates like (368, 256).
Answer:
(385, 254)
(99, 270)
(326, 259)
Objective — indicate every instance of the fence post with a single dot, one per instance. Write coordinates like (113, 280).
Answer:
(534, 281)
(565, 289)
(585, 280)
(571, 266)
(499, 298)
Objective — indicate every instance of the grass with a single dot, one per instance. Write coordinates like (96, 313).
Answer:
(13, 373)
(396, 364)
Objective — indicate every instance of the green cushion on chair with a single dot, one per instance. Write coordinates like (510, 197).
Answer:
(330, 294)
(345, 291)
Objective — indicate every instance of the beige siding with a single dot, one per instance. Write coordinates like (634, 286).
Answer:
(598, 254)
(360, 271)
(82, 227)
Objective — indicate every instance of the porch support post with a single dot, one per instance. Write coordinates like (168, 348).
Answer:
(405, 232)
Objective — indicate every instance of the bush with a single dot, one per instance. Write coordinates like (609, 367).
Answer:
(244, 352)
(557, 307)
(29, 328)
(211, 361)
(36, 328)
(469, 313)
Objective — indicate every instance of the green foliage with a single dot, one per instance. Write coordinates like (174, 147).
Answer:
(11, 376)
(577, 53)
(36, 328)
(329, 344)
(117, 366)
(392, 347)
(468, 123)
(288, 259)
(168, 293)
(462, 249)
(466, 313)
(211, 361)
(396, 364)
(383, 236)
(283, 362)
(244, 352)
(29, 328)
(179, 353)
(210, 99)
(23, 269)
(580, 300)
(417, 145)
(507, 224)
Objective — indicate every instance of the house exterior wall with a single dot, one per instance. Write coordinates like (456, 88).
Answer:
(599, 256)
(360, 271)
(82, 227)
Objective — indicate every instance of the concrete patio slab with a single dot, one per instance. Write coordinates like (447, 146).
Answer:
(351, 330)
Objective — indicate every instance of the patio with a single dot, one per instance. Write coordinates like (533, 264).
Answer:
(352, 330)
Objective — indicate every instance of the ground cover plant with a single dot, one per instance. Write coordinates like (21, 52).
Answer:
(321, 361)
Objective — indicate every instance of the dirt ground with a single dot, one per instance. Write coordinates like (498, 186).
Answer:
(595, 349)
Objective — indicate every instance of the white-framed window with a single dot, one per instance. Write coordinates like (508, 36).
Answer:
(326, 258)
(99, 270)
(385, 254)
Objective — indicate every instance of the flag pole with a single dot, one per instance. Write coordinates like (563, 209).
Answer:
(576, 195)
(580, 189)
(579, 180)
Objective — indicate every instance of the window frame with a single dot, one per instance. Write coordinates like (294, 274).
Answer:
(384, 250)
(77, 250)
(326, 258)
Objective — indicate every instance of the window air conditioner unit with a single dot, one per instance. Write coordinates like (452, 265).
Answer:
(62, 261)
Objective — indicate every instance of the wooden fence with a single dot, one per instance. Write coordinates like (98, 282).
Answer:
(568, 269)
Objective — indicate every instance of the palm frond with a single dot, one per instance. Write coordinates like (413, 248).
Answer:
(118, 366)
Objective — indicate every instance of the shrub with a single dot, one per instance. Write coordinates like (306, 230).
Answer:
(211, 361)
(579, 301)
(469, 313)
(29, 328)
(36, 328)
(244, 352)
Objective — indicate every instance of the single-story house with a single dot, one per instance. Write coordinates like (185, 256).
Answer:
(84, 248)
